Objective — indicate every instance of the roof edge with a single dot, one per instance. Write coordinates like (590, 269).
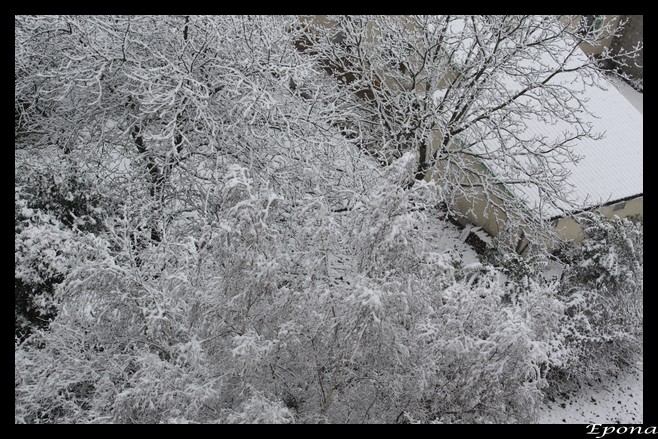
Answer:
(597, 206)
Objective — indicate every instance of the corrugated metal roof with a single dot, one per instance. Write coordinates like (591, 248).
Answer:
(611, 168)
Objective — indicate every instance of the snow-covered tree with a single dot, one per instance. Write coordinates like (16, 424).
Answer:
(465, 93)
(223, 244)
(150, 103)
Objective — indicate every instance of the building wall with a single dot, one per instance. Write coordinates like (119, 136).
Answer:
(568, 230)
(476, 207)
(589, 49)
(632, 33)
(478, 210)
(629, 37)
(481, 213)
(373, 35)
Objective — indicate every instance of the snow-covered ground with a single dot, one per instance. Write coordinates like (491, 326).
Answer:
(616, 401)
(448, 238)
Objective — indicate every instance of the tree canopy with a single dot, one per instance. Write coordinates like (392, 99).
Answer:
(227, 219)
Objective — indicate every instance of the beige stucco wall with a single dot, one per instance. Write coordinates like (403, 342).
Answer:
(590, 49)
(626, 39)
(569, 231)
(477, 207)
(632, 33)
(373, 35)
(480, 211)
(632, 208)
(574, 22)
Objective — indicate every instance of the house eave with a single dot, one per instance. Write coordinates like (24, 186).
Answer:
(596, 206)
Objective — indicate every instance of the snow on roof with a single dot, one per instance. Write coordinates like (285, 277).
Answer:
(612, 167)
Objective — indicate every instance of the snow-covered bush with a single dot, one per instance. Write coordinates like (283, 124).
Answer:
(519, 270)
(490, 355)
(57, 213)
(46, 250)
(66, 196)
(602, 289)
(270, 313)
(259, 409)
(120, 350)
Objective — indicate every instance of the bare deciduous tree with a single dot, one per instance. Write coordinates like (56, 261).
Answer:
(490, 103)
